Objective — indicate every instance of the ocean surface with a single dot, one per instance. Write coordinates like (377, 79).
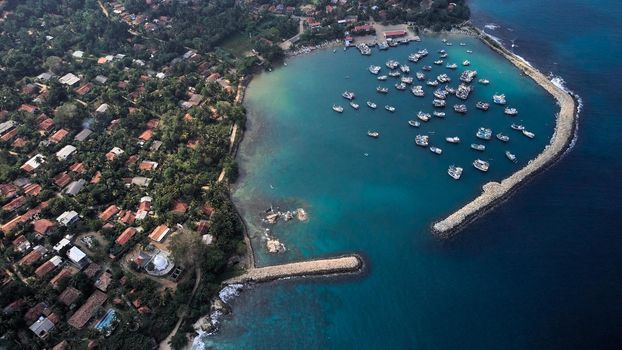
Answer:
(541, 271)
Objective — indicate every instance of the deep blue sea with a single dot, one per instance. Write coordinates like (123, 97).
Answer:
(541, 271)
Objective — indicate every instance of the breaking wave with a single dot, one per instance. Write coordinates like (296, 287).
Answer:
(561, 83)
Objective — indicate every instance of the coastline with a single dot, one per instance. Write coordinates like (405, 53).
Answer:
(493, 192)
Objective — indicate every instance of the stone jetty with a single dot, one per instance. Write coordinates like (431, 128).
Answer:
(564, 130)
(329, 266)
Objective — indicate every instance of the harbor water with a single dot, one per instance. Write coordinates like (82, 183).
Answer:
(541, 271)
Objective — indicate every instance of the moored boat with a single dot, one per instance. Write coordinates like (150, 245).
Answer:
(463, 91)
(484, 133)
(481, 165)
(482, 105)
(438, 62)
(498, 99)
(439, 114)
(518, 127)
(466, 63)
(414, 123)
(452, 139)
(478, 147)
(460, 108)
(436, 150)
(510, 156)
(443, 78)
(394, 74)
(468, 75)
(371, 105)
(422, 140)
(455, 172)
(484, 81)
(354, 105)
(400, 86)
(405, 69)
(374, 69)
(382, 77)
(382, 90)
(392, 64)
(439, 103)
(337, 108)
(423, 116)
(389, 108)
(510, 111)
(348, 95)
(440, 94)
(451, 66)
(420, 76)
(407, 80)
(373, 134)
(503, 138)
(418, 91)
(431, 83)
(426, 68)
(529, 134)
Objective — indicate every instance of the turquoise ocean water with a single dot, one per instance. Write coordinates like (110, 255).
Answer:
(540, 271)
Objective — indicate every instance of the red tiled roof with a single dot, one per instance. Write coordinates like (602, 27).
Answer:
(34, 312)
(127, 217)
(14, 204)
(44, 269)
(32, 189)
(46, 124)
(66, 271)
(180, 207)
(87, 310)
(59, 135)
(27, 108)
(146, 165)
(78, 168)
(30, 258)
(108, 213)
(153, 123)
(96, 178)
(84, 89)
(146, 135)
(158, 233)
(69, 296)
(9, 135)
(8, 190)
(19, 142)
(43, 226)
(92, 270)
(125, 236)
(62, 179)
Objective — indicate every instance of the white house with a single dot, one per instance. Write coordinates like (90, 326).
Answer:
(65, 152)
(67, 218)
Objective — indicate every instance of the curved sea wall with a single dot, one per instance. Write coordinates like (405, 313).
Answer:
(330, 266)
(494, 191)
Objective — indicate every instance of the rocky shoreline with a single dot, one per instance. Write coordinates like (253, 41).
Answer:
(493, 192)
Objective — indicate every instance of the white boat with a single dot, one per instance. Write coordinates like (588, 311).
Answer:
(453, 139)
(420, 75)
(484, 133)
(478, 147)
(373, 134)
(451, 66)
(400, 86)
(466, 63)
(431, 83)
(418, 91)
(389, 108)
(414, 123)
(394, 73)
(382, 77)
(438, 62)
(436, 150)
(443, 78)
(337, 108)
(529, 134)
(460, 108)
(518, 127)
(348, 95)
(423, 116)
(382, 90)
(439, 114)
(510, 156)
(502, 138)
(481, 165)
(392, 64)
(510, 111)
(455, 172)
(469, 51)
(407, 80)
(439, 103)
(498, 99)
(354, 105)
(484, 81)
(405, 69)
(374, 69)
(371, 105)
(421, 140)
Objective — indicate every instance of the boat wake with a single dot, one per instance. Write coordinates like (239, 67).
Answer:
(561, 83)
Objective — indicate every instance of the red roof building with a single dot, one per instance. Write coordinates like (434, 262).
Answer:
(180, 207)
(32, 189)
(395, 34)
(77, 168)
(62, 179)
(14, 204)
(108, 213)
(8, 190)
(87, 310)
(43, 226)
(59, 135)
(66, 271)
(27, 108)
(153, 123)
(146, 135)
(127, 217)
(46, 124)
(126, 235)
(84, 89)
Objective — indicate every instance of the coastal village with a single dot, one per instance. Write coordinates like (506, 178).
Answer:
(117, 147)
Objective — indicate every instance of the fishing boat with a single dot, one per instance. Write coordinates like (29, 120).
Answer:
(510, 111)
(481, 165)
(394, 74)
(337, 108)
(374, 69)
(438, 62)
(439, 114)
(460, 108)
(438, 103)
(420, 75)
(421, 140)
(529, 134)
(354, 105)
(518, 127)
(463, 91)
(423, 52)
(414, 123)
(371, 105)
(426, 68)
(484, 133)
(440, 94)
(468, 75)
(389, 108)
(373, 134)
(382, 77)
(449, 44)
(503, 138)
(414, 57)
(436, 150)
(383, 46)
(466, 63)
(450, 90)
(469, 51)
(451, 66)
(400, 86)
(418, 91)
(462, 44)
(455, 172)
(407, 80)
(392, 64)
(423, 116)
(482, 105)
(348, 95)
(454, 139)
(498, 99)
(382, 90)
(432, 83)
(510, 156)
(484, 81)
(442, 51)
(443, 78)
(478, 147)
(405, 69)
